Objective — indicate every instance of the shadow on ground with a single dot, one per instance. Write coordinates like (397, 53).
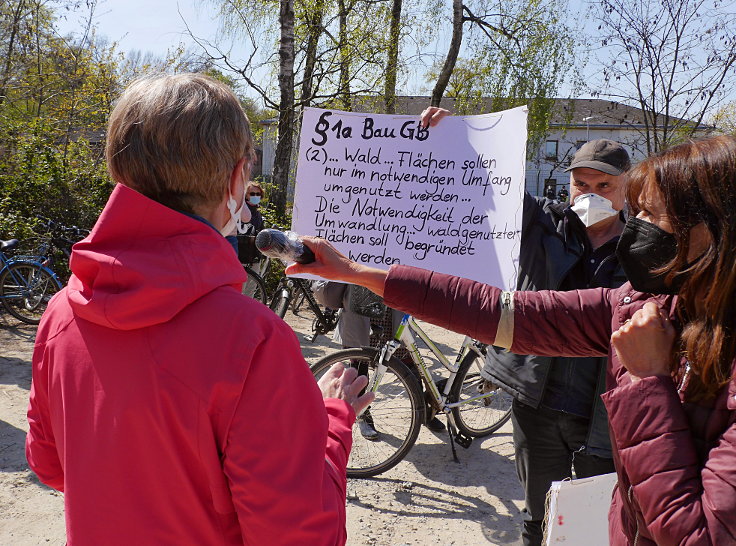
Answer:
(482, 466)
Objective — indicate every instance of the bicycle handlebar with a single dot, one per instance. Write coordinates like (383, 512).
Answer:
(57, 228)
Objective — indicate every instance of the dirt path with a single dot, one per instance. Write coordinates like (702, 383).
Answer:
(426, 499)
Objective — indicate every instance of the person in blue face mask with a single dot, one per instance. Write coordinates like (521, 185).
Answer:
(253, 196)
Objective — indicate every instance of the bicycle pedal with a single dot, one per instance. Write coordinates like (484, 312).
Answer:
(462, 440)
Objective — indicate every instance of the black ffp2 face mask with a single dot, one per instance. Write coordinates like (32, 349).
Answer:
(643, 248)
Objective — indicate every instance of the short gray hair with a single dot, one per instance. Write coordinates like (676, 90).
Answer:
(177, 139)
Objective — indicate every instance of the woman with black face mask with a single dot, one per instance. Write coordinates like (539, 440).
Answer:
(669, 334)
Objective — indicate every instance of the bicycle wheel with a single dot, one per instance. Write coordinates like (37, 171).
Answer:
(483, 416)
(254, 287)
(281, 298)
(26, 289)
(396, 413)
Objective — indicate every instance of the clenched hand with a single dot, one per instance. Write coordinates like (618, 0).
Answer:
(644, 343)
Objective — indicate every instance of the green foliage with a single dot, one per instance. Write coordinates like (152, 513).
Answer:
(281, 220)
(362, 46)
(39, 177)
(255, 113)
(724, 120)
(55, 97)
(56, 94)
(519, 54)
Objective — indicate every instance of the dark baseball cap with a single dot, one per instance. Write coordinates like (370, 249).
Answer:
(602, 155)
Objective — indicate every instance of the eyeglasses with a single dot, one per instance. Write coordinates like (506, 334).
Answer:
(254, 194)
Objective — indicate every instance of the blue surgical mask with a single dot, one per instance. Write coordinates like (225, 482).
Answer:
(254, 199)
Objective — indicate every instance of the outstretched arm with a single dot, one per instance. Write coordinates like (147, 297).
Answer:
(543, 323)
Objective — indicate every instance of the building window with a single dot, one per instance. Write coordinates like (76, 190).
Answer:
(550, 150)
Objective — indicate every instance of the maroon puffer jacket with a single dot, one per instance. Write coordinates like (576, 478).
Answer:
(676, 461)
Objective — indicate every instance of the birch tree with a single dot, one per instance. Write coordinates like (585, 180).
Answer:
(513, 54)
(327, 55)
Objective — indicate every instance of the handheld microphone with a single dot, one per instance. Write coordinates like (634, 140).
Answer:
(285, 246)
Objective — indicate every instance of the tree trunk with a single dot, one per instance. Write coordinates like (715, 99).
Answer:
(15, 27)
(314, 30)
(392, 61)
(344, 91)
(282, 159)
(451, 59)
(39, 63)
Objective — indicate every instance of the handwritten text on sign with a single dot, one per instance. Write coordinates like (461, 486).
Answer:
(385, 190)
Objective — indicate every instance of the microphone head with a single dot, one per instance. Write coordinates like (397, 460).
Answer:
(284, 246)
(265, 239)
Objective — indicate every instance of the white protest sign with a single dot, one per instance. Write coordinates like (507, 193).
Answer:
(383, 190)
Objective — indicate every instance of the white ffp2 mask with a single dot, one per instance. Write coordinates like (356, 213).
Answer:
(591, 208)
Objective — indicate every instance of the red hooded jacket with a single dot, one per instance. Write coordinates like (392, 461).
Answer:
(171, 409)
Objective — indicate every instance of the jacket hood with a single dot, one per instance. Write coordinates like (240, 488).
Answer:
(143, 263)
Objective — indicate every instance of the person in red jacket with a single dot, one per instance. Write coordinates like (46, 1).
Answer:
(669, 334)
(168, 407)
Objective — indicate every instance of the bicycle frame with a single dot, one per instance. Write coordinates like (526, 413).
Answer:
(407, 398)
(325, 321)
(405, 337)
(6, 261)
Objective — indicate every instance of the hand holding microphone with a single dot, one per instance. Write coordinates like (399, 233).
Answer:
(286, 246)
(330, 263)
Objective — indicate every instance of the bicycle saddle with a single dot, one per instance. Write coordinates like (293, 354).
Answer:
(9, 245)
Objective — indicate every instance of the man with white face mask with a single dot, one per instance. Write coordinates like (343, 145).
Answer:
(559, 419)
(597, 188)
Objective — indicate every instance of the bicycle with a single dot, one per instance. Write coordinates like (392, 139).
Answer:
(255, 286)
(249, 257)
(26, 285)
(298, 303)
(55, 247)
(325, 319)
(474, 407)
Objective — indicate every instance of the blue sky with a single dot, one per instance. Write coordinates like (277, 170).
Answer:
(149, 25)
(158, 26)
